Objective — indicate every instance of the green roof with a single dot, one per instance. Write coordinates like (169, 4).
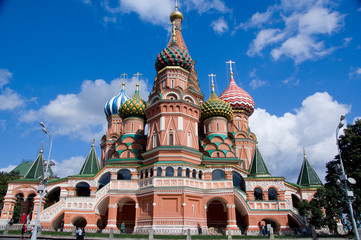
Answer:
(91, 164)
(37, 167)
(23, 168)
(308, 176)
(258, 167)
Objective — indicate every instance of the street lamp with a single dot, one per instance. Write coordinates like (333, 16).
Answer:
(43, 179)
(344, 179)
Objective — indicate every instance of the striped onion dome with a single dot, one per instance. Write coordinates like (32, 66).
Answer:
(133, 107)
(112, 106)
(238, 98)
(216, 107)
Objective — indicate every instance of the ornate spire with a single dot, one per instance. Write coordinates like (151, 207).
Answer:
(308, 176)
(91, 164)
(258, 167)
(36, 169)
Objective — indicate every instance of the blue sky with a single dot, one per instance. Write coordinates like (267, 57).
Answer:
(60, 61)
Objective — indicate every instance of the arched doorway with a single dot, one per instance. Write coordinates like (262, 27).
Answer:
(83, 189)
(295, 200)
(126, 214)
(52, 197)
(238, 181)
(18, 208)
(217, 215)
(274, 224)
(79, 222)
(102, 210)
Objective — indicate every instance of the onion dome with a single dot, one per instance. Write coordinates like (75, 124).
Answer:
(133, 107)
(238, 98)
(112, 106)
(216, 107)
(173, 55)
(176, 14)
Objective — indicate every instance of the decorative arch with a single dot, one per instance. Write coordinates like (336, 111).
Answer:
(238, 181)
(218, 174)
(258, 194)
(126, 213)
(272, 194)
(189, 97)
(104, 180)
(82, 189)
(154, 99)
(217, 214)
(171, 93)
(79, 221)
(124, 174)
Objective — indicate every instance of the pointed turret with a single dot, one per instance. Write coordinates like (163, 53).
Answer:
(308, 176)
(37, 168)
(258, 167)
(91, 164)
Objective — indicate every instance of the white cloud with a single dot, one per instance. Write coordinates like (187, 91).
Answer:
(256, 83)
(205, 5)
(8, 168)
(220, 26)
(312, 126)
(10, 100)
(291, 81)
(68, 167)
(264, 38)
(305, 23)
(355, 73)
(82, 115)
(5, 76)
(257, 19)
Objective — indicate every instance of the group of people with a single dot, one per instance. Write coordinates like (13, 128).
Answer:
(24, 229)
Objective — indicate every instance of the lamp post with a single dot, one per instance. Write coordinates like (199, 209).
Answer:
(43, 179)
(344, 179)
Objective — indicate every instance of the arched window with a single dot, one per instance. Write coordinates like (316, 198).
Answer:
(169, 172)
(128, 154)
(218, 174)
(217, 155)
(104, 180)
(146, 173)
(187, 172)
(238, 181)
(141, 174)
(238, 125)
(159, 171)
(258, 194)
(217, 127)
(172, 83)
(272, 194)
(132, 127)
(151, 172)
(124, 174)
(171, 139)
(82, 189)
(179, 170)
(200, 175)
(194, 173)
(154, 140)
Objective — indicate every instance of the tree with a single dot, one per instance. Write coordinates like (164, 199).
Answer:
(350, 148)
(4, 179)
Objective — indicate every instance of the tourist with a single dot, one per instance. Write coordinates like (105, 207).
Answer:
(199, 229)
(32, 231)
(23, 231)
(122, 227)
(23, 219)
(11, 222)
(79, 234)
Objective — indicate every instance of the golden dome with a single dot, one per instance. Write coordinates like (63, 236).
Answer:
(176, 14)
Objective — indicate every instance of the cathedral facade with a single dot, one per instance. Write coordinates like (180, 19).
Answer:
(196, 164)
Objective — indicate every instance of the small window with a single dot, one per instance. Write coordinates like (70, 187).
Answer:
(179, 170)
(172, 83)
(128, 154)
(141, 175)
(169, 172)
(187, 172)
(159, 171)
(217, 127)
(200, 175)
(238, 125)
(151, 172)
(217, 155)
(146, 173)
(171, 139)
(194, 174)
(258, 194)
(132, 127)
(272, 194)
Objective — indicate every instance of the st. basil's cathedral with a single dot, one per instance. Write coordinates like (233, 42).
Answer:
(197, 164)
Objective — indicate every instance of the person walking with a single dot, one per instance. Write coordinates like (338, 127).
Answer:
(79, 234)
(199, 229)
(23, 231)
(122, 227)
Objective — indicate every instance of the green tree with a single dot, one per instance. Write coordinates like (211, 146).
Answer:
(4, 179)
(350, 148)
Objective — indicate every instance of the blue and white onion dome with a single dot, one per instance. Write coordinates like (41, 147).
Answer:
(112, 106)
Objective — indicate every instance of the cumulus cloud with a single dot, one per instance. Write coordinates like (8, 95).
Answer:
(5, 76)
(8, 168)
(157, 12)
(295, 30)
(68, 167)
(81, 115)
(9, 99)
(281, 138)
(220, 26)
(355, 72)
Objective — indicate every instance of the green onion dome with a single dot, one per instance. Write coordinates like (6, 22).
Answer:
(216, 107)
(133, 107)
(173, 55)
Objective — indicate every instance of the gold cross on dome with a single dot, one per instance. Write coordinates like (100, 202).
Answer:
(230, 65)
(211, 75)
(138, 75)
